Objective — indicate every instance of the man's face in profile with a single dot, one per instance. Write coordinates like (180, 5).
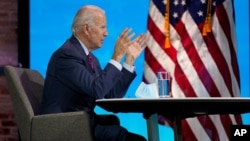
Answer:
(98, 31)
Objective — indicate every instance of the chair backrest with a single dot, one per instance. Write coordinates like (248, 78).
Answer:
(26, 88)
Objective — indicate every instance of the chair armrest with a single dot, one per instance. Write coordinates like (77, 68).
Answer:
(73, 126)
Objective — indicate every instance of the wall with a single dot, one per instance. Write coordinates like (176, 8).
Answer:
(8, 56)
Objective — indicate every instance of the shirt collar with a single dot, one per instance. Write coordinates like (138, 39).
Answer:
(83, 46)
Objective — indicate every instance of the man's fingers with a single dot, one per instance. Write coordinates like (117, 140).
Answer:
(125, 32)
(141, 40)
(144, 45)
(131, 35)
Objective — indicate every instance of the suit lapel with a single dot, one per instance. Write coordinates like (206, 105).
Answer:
(78, 47)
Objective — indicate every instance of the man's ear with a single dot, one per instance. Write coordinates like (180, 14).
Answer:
(86, 29)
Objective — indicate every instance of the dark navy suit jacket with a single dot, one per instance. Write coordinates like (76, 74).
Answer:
(72, 85)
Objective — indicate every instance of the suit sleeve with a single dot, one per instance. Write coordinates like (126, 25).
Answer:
(74, 72)
(122, 85)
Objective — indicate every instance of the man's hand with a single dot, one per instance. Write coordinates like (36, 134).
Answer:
(122, 44)
(135, 49)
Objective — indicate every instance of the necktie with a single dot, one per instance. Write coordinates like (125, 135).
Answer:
(91, 62)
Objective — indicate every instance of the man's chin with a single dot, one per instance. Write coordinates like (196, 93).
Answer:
(100, 46)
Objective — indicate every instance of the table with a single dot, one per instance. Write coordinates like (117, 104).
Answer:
(179, 108)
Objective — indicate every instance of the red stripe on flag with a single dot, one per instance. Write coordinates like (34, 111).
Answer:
(187, 133)
(152, 62)
(238, 119)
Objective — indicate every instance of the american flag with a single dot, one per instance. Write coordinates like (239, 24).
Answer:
(195, 40)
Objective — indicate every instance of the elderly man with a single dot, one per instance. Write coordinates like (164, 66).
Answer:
(74, 78)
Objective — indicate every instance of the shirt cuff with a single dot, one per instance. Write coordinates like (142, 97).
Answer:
(129, 68)
(116, 64)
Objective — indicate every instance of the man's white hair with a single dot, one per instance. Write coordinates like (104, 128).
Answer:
(85, 15)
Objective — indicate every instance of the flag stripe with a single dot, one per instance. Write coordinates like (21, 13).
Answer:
(153, 63)
(149, 77)
(191, 134)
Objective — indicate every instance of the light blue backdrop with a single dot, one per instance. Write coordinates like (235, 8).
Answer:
(50, 22)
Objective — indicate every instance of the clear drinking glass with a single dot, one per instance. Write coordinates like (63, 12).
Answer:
(163, 78)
